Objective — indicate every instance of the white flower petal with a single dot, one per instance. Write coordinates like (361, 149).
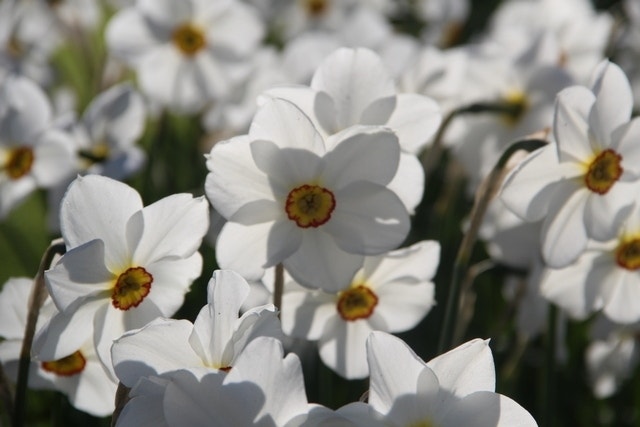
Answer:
(620, 303)
(342, 347)
(216, 322)
(570, 124)
(284, 374)
(624, 142)
(302, 97)
(418, 261)
(14, 300)
(466, 369)
(285, 167)
(80, 273)
(394, 370)
(236, 31)
(171, 280)
(244, 248)
(171, 227)
(484, 408)
(233, 179)
(97, 207)
(568, 287)
(166, 14)
(145, 409)
(159, 347)
(415, 120)
(368, 219)
(530, 186)
(27, 113)
(604, 214)
(408, 183)
(55, 161)
(305, 313)
(67, 331)
(159, 74)
(129, 36)
(362, 153)
(354, 78)
(563, 234)
(614, 100)
(284, 124)
(404, 305)
(319, 263)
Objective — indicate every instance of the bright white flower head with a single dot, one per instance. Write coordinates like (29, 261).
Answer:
(353, 87)
(32, 153)
(584, 185)
(605, 277)
(79, 375)
(317, 205)
(579, 31)
(186, 53)
(125, 264)
(213, 341)
(391, 293)
(108, 131)
(263, 389)
(454, 389)
(612, 356)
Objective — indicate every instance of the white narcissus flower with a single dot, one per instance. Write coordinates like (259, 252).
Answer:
(584, 185)
(292, 197)
(391, 293)
(32, 153)
(109, 130)
(213, 341)
(262, 389)
(125, 264)
(605, 277)
(612, 356)
(79, 375)
(454, 389)
(186, 53)
(353, 87)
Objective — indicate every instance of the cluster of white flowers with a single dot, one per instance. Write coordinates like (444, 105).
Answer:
(322, 126)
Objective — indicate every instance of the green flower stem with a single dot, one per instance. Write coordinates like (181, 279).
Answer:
(464, 252)
(122, 397)
(5, 394)
(278, 287)
(549, 398)
(38, 295)
(431, 157)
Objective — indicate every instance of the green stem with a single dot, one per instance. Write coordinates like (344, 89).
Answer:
(548, 400)
(5, 394)
(431, 157)
(278, 288)
(464, 252)
(38, 295)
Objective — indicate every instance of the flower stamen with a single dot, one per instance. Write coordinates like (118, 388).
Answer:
(628, 254)
(67, 366)
(355, 303)
(131, 288)
(19, 162)
(310, 205)
(604, 170)
(189, 38)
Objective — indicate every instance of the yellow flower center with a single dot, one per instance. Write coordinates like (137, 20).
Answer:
(310, 205)
(423, 423)
(189, 38)
(517, 103)
(604, 170)
(97, 153)
(131, 288)
(356, 303)
(67, 366)
(628, 254)
(316, 8)
(19, 162)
